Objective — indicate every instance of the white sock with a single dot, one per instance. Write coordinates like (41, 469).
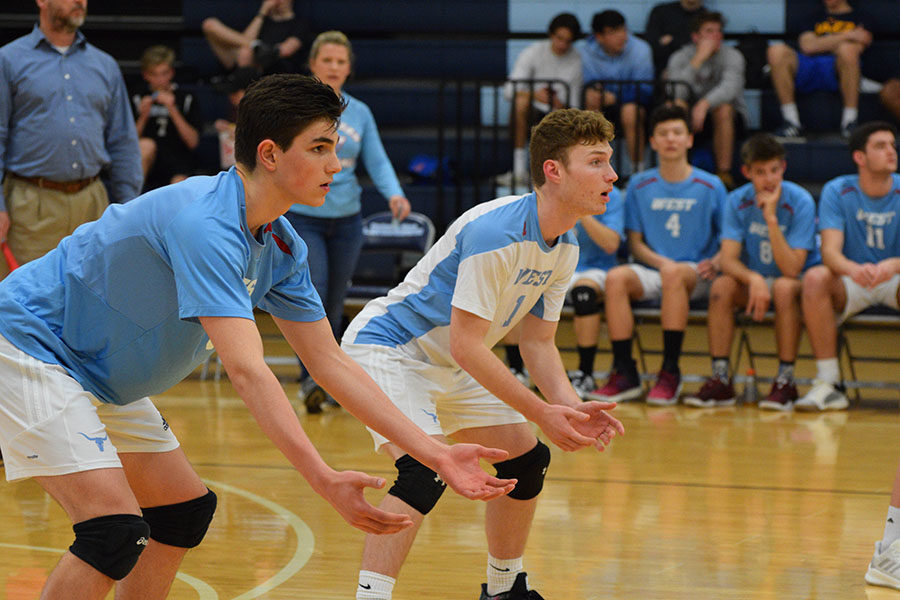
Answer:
(374, 586)
(828, 370)
(501, 574)
(520, 162)
(891, 528)
(849, 115)
(790, 113)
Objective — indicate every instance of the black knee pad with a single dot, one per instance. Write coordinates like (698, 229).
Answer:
(111, 544)
(529, 469)
(183, 524)
(584, 301)
(416, 484)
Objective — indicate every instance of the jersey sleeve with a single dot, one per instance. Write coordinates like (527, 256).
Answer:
(731, 223)
(802, 234)
(632, 211)
(614, 217)
(479, 281)
(207, 259)
(294, 298)
(830, 216)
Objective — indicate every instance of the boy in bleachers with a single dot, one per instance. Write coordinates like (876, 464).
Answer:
(768, 237)
(613, 54)
(860, 255)
(829, 60)
(550, 59)
(672, 216)
(669, 28)
(715, 74)
(167, 119)
(599, 238)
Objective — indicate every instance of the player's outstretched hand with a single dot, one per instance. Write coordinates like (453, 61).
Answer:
(558, 423)
(601, 426)
(459, 468)
(344, 491)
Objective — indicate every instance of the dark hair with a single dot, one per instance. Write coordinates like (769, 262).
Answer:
(667, 112)
(278, 107)
(859, 137)
(704, 17)
(611, 19)
(761, 147)
(559, 131)
(567, 20)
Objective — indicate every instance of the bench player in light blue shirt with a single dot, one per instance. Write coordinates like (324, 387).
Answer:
(599, 238)
(428, 345)
(672, 219)
(128, 305)
(768, 239)
(858, 221)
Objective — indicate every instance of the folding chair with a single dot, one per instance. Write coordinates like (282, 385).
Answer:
(389, 250)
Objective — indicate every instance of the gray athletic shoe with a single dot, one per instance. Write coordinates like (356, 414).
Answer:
(885, 566)
(823, 396)
(582, 382)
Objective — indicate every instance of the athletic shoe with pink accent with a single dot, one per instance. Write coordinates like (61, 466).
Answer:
(666, 390)
(619, 387)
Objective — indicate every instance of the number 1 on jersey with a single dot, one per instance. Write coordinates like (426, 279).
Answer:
(515, 309)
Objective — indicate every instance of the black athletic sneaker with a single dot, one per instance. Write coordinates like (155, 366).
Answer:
(313, 396)
(519, 591)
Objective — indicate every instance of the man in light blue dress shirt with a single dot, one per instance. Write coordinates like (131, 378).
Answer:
(64, 119)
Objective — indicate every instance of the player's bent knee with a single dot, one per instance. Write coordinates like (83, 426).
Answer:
(529, 469)
(416, 484)
(183, 524)
(111, 544)
(584, 301)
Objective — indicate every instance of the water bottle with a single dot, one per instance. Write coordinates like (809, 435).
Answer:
(751, 393)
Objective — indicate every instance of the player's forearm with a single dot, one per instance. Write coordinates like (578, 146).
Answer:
(186, 131)
(735, 268)
(361, 397)
(140, 124)
(488, 370)
(547, 371)
(838, 263)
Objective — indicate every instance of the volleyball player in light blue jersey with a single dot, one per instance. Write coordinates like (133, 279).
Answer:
(768, 239)
(129, 304)
(858, 221)
(599, 238)
(428, 345)
(672, 219)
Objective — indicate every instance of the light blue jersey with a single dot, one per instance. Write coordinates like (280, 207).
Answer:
(679, 220)
(592, 256)
(870, 226)
(117, 302)
(744, 223)
(492, 262)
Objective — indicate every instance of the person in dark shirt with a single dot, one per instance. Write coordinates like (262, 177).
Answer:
(167, 119)
(274, 41)
(669, 28)
(828, 59)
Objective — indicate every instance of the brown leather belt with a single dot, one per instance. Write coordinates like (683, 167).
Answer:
(67, 187)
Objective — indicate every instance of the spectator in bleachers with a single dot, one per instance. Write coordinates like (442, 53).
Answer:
(234, 85)
(168, 121)
(553, 59)
(715, 74)
(672, 217)
(669, 28)
(599, 238)
(613, 54)
(64, 119)
(829, 60)
(858, 221)
(273, 41)
(768, 239)
(890, 96)
(333, 231)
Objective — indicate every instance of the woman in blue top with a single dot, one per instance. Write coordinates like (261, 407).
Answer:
(333, 231)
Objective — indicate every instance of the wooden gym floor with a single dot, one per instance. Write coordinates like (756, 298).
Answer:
(720, 503)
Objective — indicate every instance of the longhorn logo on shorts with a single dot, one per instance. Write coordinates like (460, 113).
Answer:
(97, 440)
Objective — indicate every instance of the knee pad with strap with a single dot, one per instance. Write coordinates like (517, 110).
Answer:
(416, 484)
(584, 301)
(183, 524)
(111, 544)
(529, 469)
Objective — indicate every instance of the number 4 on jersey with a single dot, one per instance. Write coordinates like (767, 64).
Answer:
(673, 224)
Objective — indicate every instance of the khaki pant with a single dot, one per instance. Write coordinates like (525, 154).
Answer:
(40, 218)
